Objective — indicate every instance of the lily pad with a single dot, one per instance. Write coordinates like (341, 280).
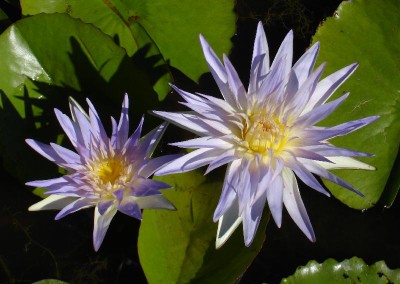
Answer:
(366, 32)
(167, 30)
(352, 270)
(42, 66)
(187, 236)
(50, 281)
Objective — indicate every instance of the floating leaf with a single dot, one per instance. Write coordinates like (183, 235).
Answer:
(366, 32)
(168, 28)
(114, 22)
(50, 281)
(42, 66)
(352, 270)
(179, 246)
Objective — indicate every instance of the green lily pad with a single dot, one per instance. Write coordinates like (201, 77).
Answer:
(179, 246)
(50, 281)
(352, 270)
(366, 32)
(42, 66)
(167, 30)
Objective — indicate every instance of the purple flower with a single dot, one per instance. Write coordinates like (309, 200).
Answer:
(266, 135)
(110, 174)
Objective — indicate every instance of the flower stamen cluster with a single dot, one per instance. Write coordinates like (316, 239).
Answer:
(110, 174)
(266, 135)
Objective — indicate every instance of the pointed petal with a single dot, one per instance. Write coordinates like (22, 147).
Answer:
(328, 86)
(285, 51)
(155, 164)
(329, 150)
(301, 98)
(146, 187)
(272, 82)
(204, 142)
(244, 186)
(218, 72)
(260, 60)
(44, 150)
(315, 168)
(47, 182)
(52, 202)
(305, 64)
(133, 140)
(303, 153)
(228, 194)
(70, 128)
(67, 155)
(192, 99)
(191, 161)
(306, 176)
(294, 204)
(194, 123)
(354, 125)
(227, 224)
(226, 157)
(154, 202)
(74, 104)
(274, 195)
(74, 206)
(138, 132)
(320, 112)
(101, 224)
(114, 134)
(123, 125)
(220, 103)
(130, 208)
(318, 134)
(235, 85)
(251, 219)
(345, 163)
(69, 189)
(280, 68)
(102, 206)
(96, 124)
(292, 86)
(265, 179)
(149, 142)
(84, 126)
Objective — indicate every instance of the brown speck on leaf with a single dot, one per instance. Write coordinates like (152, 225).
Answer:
(69, 9)
(133, 18)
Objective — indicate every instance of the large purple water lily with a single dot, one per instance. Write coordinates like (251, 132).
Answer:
(110, 174)
(266, 135)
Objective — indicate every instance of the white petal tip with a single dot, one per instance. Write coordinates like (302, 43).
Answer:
(218, 243)
(203, 41)
(33, 208)
(96, 247)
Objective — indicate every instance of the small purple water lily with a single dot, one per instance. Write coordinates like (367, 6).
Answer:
(266, 135)
(111, 174)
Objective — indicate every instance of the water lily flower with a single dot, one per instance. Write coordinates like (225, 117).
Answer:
(110, 174)
(266, 135)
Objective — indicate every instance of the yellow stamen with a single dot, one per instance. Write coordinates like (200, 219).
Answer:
(110, 170)
(265, 132)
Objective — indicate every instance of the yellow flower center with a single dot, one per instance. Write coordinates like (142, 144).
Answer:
(265, 132)
(110, 170)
